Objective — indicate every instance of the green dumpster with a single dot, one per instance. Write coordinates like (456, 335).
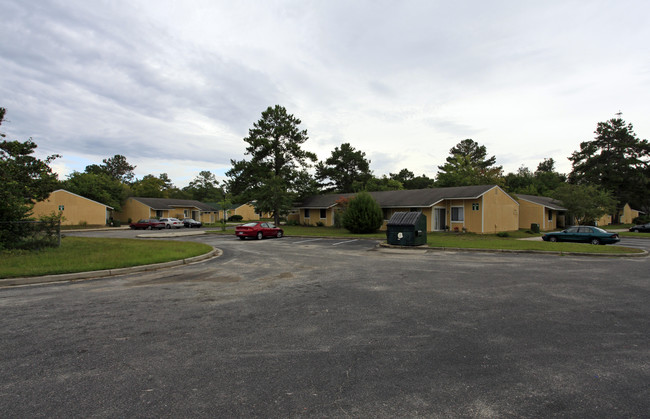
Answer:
(407, 229)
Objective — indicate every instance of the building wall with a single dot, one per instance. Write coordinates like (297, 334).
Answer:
(135, 210)
(530, 212)
(628, 214)
(500, 212)
(315, 216)
(247, 211)
(76, 209)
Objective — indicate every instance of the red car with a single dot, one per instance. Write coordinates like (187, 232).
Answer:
(147, 224)
(259, 230)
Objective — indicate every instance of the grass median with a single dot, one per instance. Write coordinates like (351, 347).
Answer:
(81, 254)
(464, 240)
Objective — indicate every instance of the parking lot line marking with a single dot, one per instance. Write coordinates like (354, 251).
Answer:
(347, 241)
(306, 241)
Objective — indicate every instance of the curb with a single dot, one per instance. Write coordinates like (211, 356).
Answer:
(77, 276)
(422, 249)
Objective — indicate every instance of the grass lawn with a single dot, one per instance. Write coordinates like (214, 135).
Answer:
(79, 254)
(463, 240)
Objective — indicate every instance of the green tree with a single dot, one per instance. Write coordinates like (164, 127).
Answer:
(205, 187)
(542, 183)
(274, 175)
(151, 186)
(98, 186)
(586, 203)
(615, 160)
(363, 214)
(25, 180)
(343, 169)
(383, 183)
(523, 181)
(547, 179)
(467, 165)
(118, 168)
(410, 181)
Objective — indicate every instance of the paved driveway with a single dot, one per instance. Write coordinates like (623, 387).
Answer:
(331, 328)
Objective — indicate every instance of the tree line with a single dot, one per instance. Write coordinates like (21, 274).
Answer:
(607, 172)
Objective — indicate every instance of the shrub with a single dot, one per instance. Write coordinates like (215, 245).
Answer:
(236, 218)
(320, 224)
(363, 214)
(338, 219)
(503, 234)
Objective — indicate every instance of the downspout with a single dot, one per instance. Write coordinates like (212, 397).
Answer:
(482, 214)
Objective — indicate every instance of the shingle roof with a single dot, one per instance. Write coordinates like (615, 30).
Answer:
(551, 203)
(167, 203)
(415, 198)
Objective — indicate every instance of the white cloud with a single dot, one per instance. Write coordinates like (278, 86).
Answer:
(403, 82)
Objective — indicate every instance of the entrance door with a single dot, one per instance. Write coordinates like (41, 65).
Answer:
(439, 219)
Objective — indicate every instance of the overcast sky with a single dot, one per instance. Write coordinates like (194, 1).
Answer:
(175, 86)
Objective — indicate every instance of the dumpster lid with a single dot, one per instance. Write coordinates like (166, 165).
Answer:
(404, 219)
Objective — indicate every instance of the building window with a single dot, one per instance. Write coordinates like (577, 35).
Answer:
(323, 213)
(307, 213)
(386, 212)
(457, 214)
(475, 206)
(550, 215)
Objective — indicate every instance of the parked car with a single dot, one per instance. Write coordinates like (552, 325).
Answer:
(641, 228)
(582, 234)
(147, 224)
(190, 222)
(258, 230)
(172, 222)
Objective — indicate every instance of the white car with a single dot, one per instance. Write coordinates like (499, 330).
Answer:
(172, 223)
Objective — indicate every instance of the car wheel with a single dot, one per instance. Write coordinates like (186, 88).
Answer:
(635, 231)
(148, 227)
(279, 235)
(168, 226)
(595, 241)
(552, 239)
(260, 236)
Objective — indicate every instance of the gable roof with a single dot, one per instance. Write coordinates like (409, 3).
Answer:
(168, 203)
(545, 201)
(415, 198)
(83, 197)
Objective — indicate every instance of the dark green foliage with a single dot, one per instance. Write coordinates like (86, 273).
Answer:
(410, 181)
(468, 165)
(25, 180)
(586, 203)
(98, 186)
(345, 167)
(541, 183)
(31, 235)
(205, 188)
(276, 173)
(235, 218)
(616, 160)
(383, 183)
(363, 214)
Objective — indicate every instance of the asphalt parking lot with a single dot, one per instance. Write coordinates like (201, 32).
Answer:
(298, 327)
